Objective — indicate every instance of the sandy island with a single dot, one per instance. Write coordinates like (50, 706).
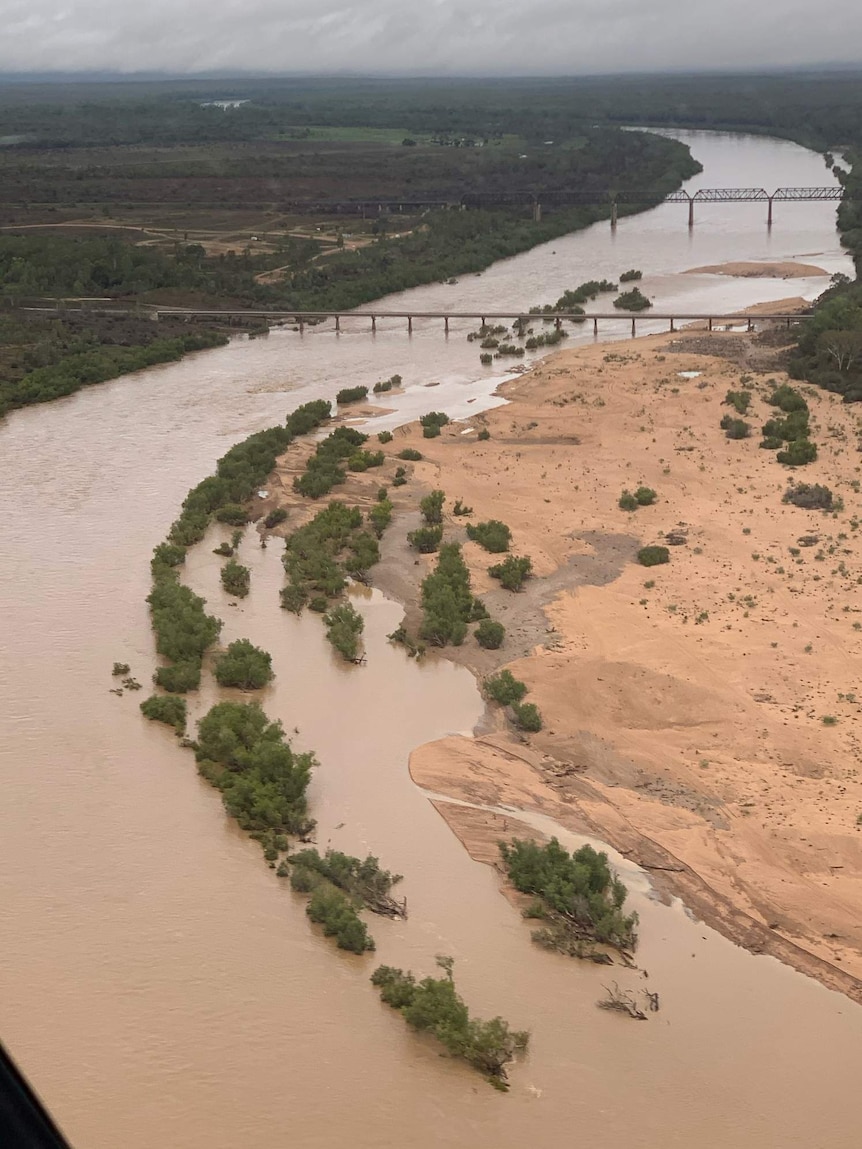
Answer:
(683, 705)
(744, 270)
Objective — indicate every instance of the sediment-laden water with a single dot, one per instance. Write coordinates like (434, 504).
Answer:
(157, 983)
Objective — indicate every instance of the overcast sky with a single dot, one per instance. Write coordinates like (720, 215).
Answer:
(426, 36)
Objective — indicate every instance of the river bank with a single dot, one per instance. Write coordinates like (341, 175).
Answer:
(699, 716)
(151, 956)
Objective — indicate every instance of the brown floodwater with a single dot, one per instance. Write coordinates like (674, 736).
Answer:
(157, 983)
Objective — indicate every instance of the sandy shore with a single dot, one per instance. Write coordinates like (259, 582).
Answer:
(684, 704)
(744, 270)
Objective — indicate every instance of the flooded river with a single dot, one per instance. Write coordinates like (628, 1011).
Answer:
(157, 983)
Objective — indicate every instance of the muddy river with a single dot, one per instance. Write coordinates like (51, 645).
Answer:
(158, 984)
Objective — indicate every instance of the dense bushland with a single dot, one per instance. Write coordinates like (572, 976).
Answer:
(97, 364)
(324, 469)
(320, 556)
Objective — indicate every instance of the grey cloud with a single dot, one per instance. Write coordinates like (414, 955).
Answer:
(425, 36)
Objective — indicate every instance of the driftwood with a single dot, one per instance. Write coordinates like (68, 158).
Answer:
(384, 905)
(621, 1001)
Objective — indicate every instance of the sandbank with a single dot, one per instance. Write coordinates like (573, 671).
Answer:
(684, 704)
(745, 270)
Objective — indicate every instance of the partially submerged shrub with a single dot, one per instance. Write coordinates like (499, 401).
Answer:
(179, 678)
(344, 626)
(263, 782)
(578, 896)
(351, 395)
(244, 665)
(235, 578)
(433, 1006)
(633, 300)
(331, 909)
(167, 708)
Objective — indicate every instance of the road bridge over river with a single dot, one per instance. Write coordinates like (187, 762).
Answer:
(301, 319)
(573, 197)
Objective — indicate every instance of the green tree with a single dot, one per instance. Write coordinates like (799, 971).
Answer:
(235, 578)
(244, 665)
(493, 535)
(344, 626)
(490, 634)
(512, 572)
(432, 508)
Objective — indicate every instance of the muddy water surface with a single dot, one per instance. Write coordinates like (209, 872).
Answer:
(157, 982)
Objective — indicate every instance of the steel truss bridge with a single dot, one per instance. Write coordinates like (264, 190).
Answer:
(614, 199)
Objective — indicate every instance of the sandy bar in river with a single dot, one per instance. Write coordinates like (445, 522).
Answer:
(784, 270)
(683, 704)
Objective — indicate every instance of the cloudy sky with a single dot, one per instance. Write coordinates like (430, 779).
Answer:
(426, 36)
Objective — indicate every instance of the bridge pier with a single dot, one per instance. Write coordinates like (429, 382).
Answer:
(769, 213)
(672, 328)
(595, 327)
(691, 213)
(537, 212)
(409, 324)
(338, 323)
(446, 324)
(373, 324)
(634, 327)
(613, 215)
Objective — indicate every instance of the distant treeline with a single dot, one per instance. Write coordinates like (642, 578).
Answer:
(821, 108)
